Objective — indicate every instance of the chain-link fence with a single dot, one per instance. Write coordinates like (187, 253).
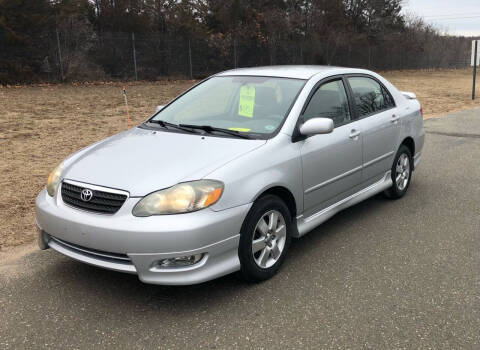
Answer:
(76, 56)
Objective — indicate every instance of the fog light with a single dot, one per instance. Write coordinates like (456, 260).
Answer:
(180, 261)
(42, 239)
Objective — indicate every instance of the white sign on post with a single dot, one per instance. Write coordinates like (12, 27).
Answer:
(478, 52)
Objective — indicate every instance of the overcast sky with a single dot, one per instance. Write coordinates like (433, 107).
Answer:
(457, 17)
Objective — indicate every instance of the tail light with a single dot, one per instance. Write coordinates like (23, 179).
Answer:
(421, 111)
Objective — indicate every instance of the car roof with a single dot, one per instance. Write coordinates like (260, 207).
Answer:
(288, 71)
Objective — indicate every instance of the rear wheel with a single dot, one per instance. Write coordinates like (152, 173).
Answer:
(402, 169)
(264, 239)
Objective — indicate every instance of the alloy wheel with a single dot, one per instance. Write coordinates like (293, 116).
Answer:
(269, 239)
(402, 173)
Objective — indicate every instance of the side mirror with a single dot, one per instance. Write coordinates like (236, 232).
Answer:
(316, 126)
(159, 108)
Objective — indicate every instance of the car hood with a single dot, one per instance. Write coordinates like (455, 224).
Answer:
(142, 161)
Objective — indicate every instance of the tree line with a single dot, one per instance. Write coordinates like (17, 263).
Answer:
(58, 40)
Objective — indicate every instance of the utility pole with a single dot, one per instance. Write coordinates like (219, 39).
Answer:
(59, 55)
(134, 56)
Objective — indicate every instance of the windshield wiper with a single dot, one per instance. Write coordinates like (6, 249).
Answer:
(167, 125)
(209, 129)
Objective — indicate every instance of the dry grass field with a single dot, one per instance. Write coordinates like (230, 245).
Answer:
(41, 125)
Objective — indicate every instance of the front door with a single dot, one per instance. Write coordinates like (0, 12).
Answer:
(332, 163)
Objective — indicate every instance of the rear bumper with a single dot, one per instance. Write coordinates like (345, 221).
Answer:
(125, 243)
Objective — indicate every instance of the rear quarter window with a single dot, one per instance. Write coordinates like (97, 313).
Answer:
(370, 97)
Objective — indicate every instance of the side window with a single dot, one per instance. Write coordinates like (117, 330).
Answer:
(389, 102)
(329, 101)
(370, 96)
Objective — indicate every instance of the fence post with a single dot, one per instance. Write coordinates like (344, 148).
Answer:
(474, 68)
(59, 55)
(369, 57)
(134, 56)
(190, 59)
(270, 51)
(235, 52)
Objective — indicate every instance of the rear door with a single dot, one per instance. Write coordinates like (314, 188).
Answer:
(332, 163)
(379, 121)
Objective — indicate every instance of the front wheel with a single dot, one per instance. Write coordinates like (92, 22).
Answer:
(264, 239)
(402, 169)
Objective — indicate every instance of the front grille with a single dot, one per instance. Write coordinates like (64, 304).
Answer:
(100, 202)
(93, 253)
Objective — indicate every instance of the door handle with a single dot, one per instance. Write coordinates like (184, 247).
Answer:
(354, 134)
(394, 119)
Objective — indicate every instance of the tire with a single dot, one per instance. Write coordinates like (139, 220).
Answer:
(402, 175)
(270, 247)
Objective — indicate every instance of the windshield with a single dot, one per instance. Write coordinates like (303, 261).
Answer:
(246, 104)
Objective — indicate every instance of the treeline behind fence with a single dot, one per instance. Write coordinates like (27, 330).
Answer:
(147, 57)
(71, 40)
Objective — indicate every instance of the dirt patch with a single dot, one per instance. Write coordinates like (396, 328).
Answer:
(41, 125)
(440, 91)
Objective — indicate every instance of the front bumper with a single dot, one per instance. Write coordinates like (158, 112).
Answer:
(135, 245)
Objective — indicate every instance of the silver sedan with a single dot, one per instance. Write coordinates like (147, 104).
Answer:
(220, 179)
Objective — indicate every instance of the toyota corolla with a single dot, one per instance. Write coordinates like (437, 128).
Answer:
(224, 176)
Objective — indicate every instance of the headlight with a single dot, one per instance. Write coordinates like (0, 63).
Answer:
(54, 180)
(182, 198)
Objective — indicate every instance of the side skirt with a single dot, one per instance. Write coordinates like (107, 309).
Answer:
(305, 225)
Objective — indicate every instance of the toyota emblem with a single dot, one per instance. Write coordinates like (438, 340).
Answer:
(86, 195)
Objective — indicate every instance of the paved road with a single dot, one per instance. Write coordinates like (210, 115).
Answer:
(381, 275)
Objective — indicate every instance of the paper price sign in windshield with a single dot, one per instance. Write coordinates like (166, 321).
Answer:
(246, 101)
